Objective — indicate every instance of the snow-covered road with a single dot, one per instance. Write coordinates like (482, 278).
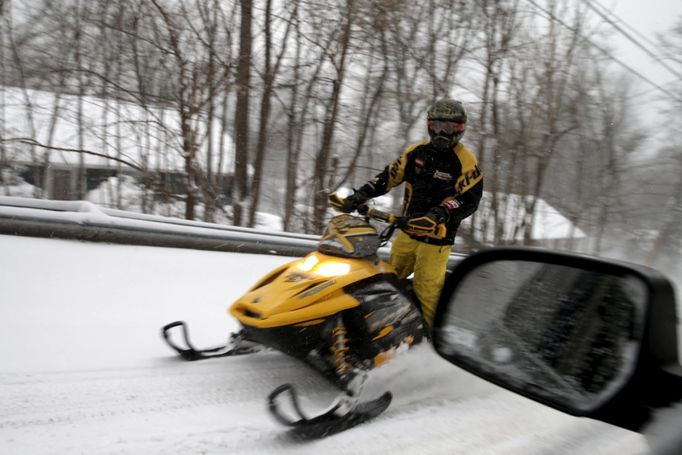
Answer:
(85, 371)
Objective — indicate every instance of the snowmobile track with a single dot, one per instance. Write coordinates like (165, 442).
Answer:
(45, 399)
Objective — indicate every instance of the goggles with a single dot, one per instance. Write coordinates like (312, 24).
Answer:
(446, 126)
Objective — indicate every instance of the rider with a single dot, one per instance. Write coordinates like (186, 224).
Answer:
(443, 184)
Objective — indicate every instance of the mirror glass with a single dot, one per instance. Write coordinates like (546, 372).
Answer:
(563, 335)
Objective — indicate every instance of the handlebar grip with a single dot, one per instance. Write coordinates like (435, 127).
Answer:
(381, 216)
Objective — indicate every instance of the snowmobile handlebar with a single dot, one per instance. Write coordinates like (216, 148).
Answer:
(436, 231)
(379, 215)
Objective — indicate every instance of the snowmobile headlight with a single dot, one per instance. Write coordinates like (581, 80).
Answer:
(331, 268)
(325, 268)
(309, 263)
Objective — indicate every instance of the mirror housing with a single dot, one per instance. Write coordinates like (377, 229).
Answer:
(587, 336)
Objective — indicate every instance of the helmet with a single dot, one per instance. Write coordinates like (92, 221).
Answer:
(446, 120)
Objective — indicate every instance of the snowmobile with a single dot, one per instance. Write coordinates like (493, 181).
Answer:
(341, 309)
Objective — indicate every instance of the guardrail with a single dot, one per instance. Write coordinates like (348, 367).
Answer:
(82, 220)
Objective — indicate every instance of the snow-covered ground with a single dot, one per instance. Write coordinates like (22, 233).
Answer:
(141, 133)
(84, 370)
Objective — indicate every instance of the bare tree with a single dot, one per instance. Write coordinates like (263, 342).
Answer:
(338, 59)
(241, 122)
(4, 162)
(667, 245)
(189, 100)
(269, 74)
(308, 67)
(343, 88)
(500, 24)
(292, 142)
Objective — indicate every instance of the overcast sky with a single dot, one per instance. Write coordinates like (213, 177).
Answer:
(649, 18)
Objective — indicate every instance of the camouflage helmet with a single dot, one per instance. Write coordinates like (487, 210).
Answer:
(448, 110)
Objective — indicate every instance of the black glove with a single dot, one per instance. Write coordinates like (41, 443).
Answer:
(354, 201)
(439, 214)
(401, 221)
(348, 204)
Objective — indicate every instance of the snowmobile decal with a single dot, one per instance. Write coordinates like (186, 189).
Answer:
(317, 289)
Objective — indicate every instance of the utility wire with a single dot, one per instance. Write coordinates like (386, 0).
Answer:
(663, 54)
(551, 16)
(630, 37)
(628, 26)
(648, 91)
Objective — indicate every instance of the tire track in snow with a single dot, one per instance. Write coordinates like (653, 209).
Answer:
(73, 397)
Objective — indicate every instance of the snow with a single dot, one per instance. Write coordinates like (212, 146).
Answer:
(87, 213)
(85, 371)
(548, 224)
(101, 119)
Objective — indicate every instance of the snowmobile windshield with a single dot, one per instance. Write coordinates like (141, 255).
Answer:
(349, 236)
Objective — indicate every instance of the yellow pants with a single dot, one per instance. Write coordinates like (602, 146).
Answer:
(428, 262)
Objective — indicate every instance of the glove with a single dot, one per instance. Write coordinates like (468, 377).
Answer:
(348, 204)
(353, 201)
(439, 214)
(428, 224)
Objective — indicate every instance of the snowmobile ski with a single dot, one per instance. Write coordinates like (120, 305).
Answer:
(332, 421)
(236, 346)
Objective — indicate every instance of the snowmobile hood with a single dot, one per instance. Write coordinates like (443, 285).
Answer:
(305, 291)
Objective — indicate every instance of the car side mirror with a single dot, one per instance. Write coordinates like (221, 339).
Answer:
(587, 336)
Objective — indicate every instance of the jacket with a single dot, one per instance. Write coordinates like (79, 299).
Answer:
(450, 179)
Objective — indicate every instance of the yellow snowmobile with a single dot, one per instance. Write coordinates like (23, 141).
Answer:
(341, 309)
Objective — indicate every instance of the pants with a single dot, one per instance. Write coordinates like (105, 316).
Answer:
(428, 262)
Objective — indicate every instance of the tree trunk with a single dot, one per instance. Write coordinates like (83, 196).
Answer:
(241, 125)
(292, 127)
(4, 163)
(320, 191)
(82, 184)
(261, 143)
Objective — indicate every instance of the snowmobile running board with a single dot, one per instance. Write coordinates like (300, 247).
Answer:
(236, 346)
(332, 421)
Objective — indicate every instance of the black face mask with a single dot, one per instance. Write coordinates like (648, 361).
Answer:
(440, 142)
(445, 134)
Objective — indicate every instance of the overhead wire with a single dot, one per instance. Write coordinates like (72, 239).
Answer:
(648, 91)
(604, 15)
(612, 57)
(625, 24)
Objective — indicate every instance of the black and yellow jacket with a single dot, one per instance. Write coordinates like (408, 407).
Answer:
(450, 179)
